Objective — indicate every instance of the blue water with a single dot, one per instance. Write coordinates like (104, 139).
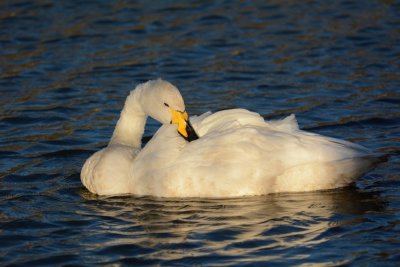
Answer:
(67, 66)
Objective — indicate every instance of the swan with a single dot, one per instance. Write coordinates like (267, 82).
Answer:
(229, 153)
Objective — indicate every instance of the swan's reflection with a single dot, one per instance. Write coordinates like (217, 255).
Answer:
(176, 228)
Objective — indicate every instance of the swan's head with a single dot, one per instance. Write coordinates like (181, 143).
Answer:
(163, 102)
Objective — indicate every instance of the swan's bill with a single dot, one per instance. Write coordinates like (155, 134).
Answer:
(185, 129)
(192, 135)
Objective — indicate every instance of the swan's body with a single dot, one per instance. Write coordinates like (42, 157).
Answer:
(237, 154)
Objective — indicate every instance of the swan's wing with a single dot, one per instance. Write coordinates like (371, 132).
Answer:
(257, 160)
(236, 118)
(225, 120)
(241, 130)
(197, 119)
(288, 124)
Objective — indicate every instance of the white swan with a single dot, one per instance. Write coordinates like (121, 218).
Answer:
(237, 154)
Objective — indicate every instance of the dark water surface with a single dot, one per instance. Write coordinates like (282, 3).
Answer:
(67, 66)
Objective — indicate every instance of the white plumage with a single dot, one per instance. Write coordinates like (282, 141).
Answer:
(237, 154)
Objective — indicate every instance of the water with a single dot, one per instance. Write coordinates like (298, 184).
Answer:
(67, 66)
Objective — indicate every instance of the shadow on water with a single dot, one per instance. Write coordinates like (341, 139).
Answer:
(226, 230)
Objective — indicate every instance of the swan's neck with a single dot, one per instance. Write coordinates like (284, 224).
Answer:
(130, 126)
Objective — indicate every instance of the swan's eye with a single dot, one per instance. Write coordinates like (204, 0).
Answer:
(165, 104)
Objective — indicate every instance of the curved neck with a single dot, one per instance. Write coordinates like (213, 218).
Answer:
(130, 126)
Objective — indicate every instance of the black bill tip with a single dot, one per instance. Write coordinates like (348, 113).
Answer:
(192, 135)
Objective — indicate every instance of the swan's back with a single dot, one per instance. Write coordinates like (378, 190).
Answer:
(241, 154)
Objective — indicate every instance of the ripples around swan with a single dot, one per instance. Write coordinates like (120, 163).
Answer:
(67, 66)
(276, 229)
